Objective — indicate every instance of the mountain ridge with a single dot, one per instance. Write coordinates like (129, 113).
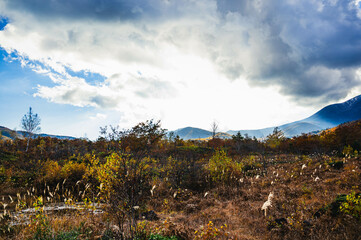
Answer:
(327, 117)
(8, 134)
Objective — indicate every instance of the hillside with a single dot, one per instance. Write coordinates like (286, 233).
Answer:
(328, 117)
(335, 114)
(8, 134)
(192, 133)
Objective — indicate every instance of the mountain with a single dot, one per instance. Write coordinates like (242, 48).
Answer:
(56, 136)
(23, 133)
(8, 134)
(192, 133)
(328, 117)
(335, 114)
(258, 133)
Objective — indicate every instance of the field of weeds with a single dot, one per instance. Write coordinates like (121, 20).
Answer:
(306, 203)
(292, 197)
(156, 188)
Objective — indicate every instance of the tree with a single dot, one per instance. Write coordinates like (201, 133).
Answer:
(238, 140)
(31, 125)
(145, 135)
(214, 129)
(274, 140)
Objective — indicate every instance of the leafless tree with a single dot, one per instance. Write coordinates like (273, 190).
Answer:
(31, 125)
(214, 128)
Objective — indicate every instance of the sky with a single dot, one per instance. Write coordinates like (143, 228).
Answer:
(246, 64)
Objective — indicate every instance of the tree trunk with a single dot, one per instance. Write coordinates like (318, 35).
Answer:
(27, 145)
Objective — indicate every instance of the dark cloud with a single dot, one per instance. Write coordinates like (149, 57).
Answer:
(104, 102)
(92, 9)
(311, 49)
(107, 10)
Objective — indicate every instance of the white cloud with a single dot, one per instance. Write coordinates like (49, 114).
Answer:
(98, 116)
(180, 60)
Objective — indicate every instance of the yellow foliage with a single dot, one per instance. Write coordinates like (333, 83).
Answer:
(118, 172)
(73, 170)
(211, 232)
(352, 205)
(51, 170)
(224, 169)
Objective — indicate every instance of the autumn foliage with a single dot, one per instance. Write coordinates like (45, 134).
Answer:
(148, 185)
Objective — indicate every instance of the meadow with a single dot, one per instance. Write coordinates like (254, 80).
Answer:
(140, 183)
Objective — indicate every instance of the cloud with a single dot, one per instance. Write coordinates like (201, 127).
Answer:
(310, 50)
(78, 92)
(98, 116)
(116, 93)
(90, 9)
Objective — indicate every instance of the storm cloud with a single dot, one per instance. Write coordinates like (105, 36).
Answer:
(86, 9)
(310, 50)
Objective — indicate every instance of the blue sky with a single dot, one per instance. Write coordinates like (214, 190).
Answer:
(17, 89)
(18, 85)
(246, 64)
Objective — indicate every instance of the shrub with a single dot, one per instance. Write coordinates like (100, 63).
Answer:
(51, 171)
(251, 165)
(183, 173)
(352, 205)
(223, 169)
(73, 171)
(125, 185)
(211, 232)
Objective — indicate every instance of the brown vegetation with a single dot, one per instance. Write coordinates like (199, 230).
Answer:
(136, 184)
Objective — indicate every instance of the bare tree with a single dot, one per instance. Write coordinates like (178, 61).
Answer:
(214, 128)
(31, 125)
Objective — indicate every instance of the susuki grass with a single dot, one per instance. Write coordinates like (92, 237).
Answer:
(282, 202)
(146, 187)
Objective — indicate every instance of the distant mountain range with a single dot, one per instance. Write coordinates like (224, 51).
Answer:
(7, 133)
(328, 117)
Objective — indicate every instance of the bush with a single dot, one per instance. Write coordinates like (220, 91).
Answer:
(211, 232)
(125, 185)
(51, 171)
(352, 205)
(183, 173)
(223, 169)
(73, 171)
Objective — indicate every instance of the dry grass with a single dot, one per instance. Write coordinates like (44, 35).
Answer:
(301, 187)
(298, 195)
(85, 225)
